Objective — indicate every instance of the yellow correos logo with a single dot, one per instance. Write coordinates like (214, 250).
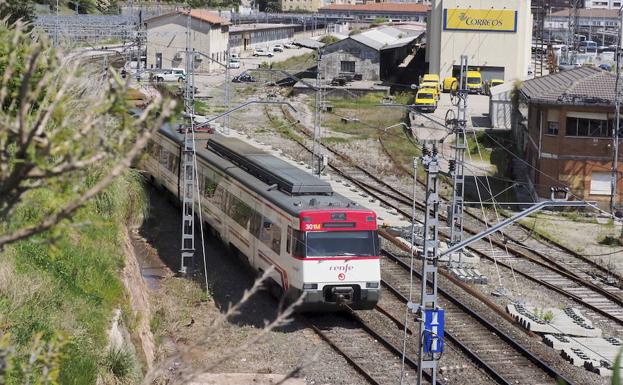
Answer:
(499, 20)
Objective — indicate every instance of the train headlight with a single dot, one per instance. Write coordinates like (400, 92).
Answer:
(372, 285)
(310, 286)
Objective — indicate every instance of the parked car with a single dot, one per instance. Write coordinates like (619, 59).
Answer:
(171, 75)
(278, 48)
(262, 52)
(234, 63)
(290, 45)
(244, 78)
(605, 67)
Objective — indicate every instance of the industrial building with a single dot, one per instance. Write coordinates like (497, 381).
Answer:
(166, 40)
(495, 35)
(594, 18)
(566, 130)
(375, 54)
(243, 37)
(371, 11)
(606, 4)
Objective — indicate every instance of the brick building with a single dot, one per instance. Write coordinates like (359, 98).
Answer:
(567, 135)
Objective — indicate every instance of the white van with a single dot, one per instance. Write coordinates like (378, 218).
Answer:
(170, 75)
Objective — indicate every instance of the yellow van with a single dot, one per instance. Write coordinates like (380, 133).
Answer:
(434, 78)
(426, 100)
(450, 84)
(428, 85)
(474, 82)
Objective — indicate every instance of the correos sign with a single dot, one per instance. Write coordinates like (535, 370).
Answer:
(497, 20)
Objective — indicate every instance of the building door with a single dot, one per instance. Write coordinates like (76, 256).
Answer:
(159, 60)
(600, 183)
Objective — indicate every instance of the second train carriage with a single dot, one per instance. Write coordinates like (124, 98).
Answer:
(275, 214)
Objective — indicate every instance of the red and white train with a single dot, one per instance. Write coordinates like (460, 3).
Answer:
(275, 214)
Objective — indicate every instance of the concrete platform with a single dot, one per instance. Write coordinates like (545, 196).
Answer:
(245, 379)
(567, 321)
(595, 354)
(385, 217)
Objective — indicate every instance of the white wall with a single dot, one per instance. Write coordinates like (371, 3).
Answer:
(167, 35)
(510, 50)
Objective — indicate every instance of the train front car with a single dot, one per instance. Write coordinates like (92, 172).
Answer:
(339, 250)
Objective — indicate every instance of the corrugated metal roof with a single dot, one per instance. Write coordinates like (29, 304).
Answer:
(591, 12)
(579, 86)
(385, 37)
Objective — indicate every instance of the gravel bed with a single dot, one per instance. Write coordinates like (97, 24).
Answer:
(547, 354)
(183, 313)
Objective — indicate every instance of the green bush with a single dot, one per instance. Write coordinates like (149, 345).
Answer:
(65, 282)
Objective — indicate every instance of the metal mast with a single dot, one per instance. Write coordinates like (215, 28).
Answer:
(315, 161)
(188, 163)
(455, 213)
(430, 337)
(617, 123)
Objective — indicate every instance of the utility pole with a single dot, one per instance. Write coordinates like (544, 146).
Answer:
(227, 85)
(617, 124)
(316, 161)
(455, 212)
(430, 316)
(56, 27)
(188, 163)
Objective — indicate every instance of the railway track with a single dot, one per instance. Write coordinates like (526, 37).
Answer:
(564, 272)
(497, 353)
(372, 355)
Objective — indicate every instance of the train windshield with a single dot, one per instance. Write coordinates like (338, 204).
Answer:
(341, 243)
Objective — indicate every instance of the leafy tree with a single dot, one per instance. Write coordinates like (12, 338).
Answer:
(15, 10)
(54, 127)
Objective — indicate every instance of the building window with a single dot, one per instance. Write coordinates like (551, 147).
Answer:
(588, 127)
(347, 66)
(552, 128)
(600, 183)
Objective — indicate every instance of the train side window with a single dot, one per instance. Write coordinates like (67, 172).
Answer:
(270, 235)
(256, 224)
(299, 243)
(240, 212)
(164, 158)
(289, 239)
(209, 187)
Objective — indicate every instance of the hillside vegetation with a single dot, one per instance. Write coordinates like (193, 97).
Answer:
(58, 289)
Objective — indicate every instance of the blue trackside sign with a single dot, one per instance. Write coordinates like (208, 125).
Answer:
(433, 330)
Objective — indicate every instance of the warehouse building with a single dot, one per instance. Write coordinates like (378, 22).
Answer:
(373, 55)
(166, 40)
(495, 35)
(243, 37)
(565, 132)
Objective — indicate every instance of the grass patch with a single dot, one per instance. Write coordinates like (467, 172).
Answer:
(69, 286)
(299, 62)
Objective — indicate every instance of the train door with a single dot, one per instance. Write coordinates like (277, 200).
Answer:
(269, 250)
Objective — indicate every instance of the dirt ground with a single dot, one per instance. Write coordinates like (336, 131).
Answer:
(182, 313)
(586, 235)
